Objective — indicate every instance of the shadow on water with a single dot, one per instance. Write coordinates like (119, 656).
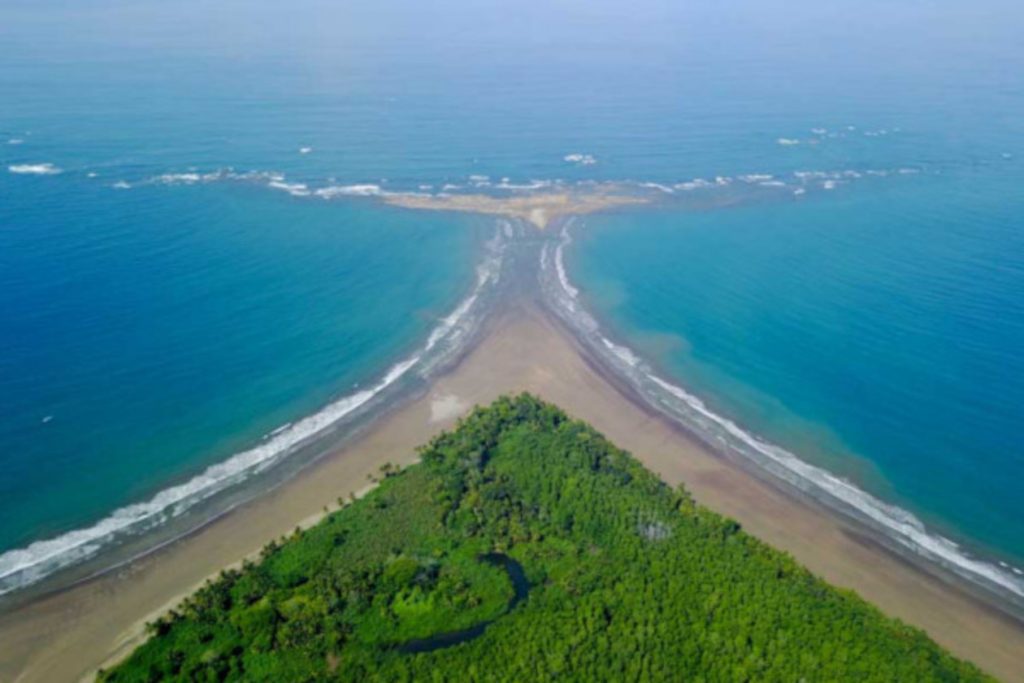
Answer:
(520, 588)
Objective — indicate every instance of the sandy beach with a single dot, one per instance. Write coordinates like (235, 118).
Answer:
(540, 209)
(66, 636)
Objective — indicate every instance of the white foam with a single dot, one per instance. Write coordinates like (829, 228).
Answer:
(819, 131)
(756, 177)
(563, 279)
(909, 530)
(15, 141)
(580, 159)
(121, 185)
(787, 142)
(34, 169)
(193, 177)
(623, 353)
(43, 557)
(24, 566)
(183, 178)
(294, 189)
(899, 524)
(532, 185)
(305, 150)
(694, 184)
(658, 186)
(280, 429)
(829, 184)
(487, 272)
(357, 190)
(190, 177)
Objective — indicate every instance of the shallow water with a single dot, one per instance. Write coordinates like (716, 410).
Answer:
(876, 332)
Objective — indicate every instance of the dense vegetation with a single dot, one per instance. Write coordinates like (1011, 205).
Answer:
(630, 580)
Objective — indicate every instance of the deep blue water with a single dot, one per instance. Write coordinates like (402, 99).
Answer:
(165, 320)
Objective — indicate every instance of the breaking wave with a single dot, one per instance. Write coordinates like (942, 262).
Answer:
(580, 159)
(897, 525)
(752, 186)
(34, 169)
(25, 566)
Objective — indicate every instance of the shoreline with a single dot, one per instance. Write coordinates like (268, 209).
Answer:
(539, 210)
(68, 634)
(179, 508)
(849, 524)
(896, 528)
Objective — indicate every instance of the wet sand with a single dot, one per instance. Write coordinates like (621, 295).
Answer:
(539, 209)
(66, 636)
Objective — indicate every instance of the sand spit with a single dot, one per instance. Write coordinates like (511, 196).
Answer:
(66, 635)
(538, 209)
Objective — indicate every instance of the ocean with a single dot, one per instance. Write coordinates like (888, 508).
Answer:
(194, 259)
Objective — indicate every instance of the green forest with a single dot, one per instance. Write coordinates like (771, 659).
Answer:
(526, 547)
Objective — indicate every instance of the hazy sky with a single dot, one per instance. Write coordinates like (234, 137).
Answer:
(841, 29)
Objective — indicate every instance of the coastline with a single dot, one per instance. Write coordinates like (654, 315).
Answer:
(182, 506)
(67, 635)
(898, 529)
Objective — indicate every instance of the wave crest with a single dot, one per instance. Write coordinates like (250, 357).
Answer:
(34, 169)
(897, 524)
(22, 567)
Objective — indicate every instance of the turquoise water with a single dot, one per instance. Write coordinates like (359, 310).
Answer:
(875, 331)
(152, 332)
(191, 255)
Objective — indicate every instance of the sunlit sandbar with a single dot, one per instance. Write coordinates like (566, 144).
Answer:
(539, 209)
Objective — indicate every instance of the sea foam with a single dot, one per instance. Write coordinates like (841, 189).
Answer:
(659, 187)
(294, 189)
(34, 169)
(900, 526)
(580, 159)
(25, 566)
(357, 190)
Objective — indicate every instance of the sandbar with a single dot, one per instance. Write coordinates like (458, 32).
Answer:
(67, 635)
(539, 209)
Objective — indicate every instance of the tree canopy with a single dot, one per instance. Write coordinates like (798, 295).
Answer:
(629, 580)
